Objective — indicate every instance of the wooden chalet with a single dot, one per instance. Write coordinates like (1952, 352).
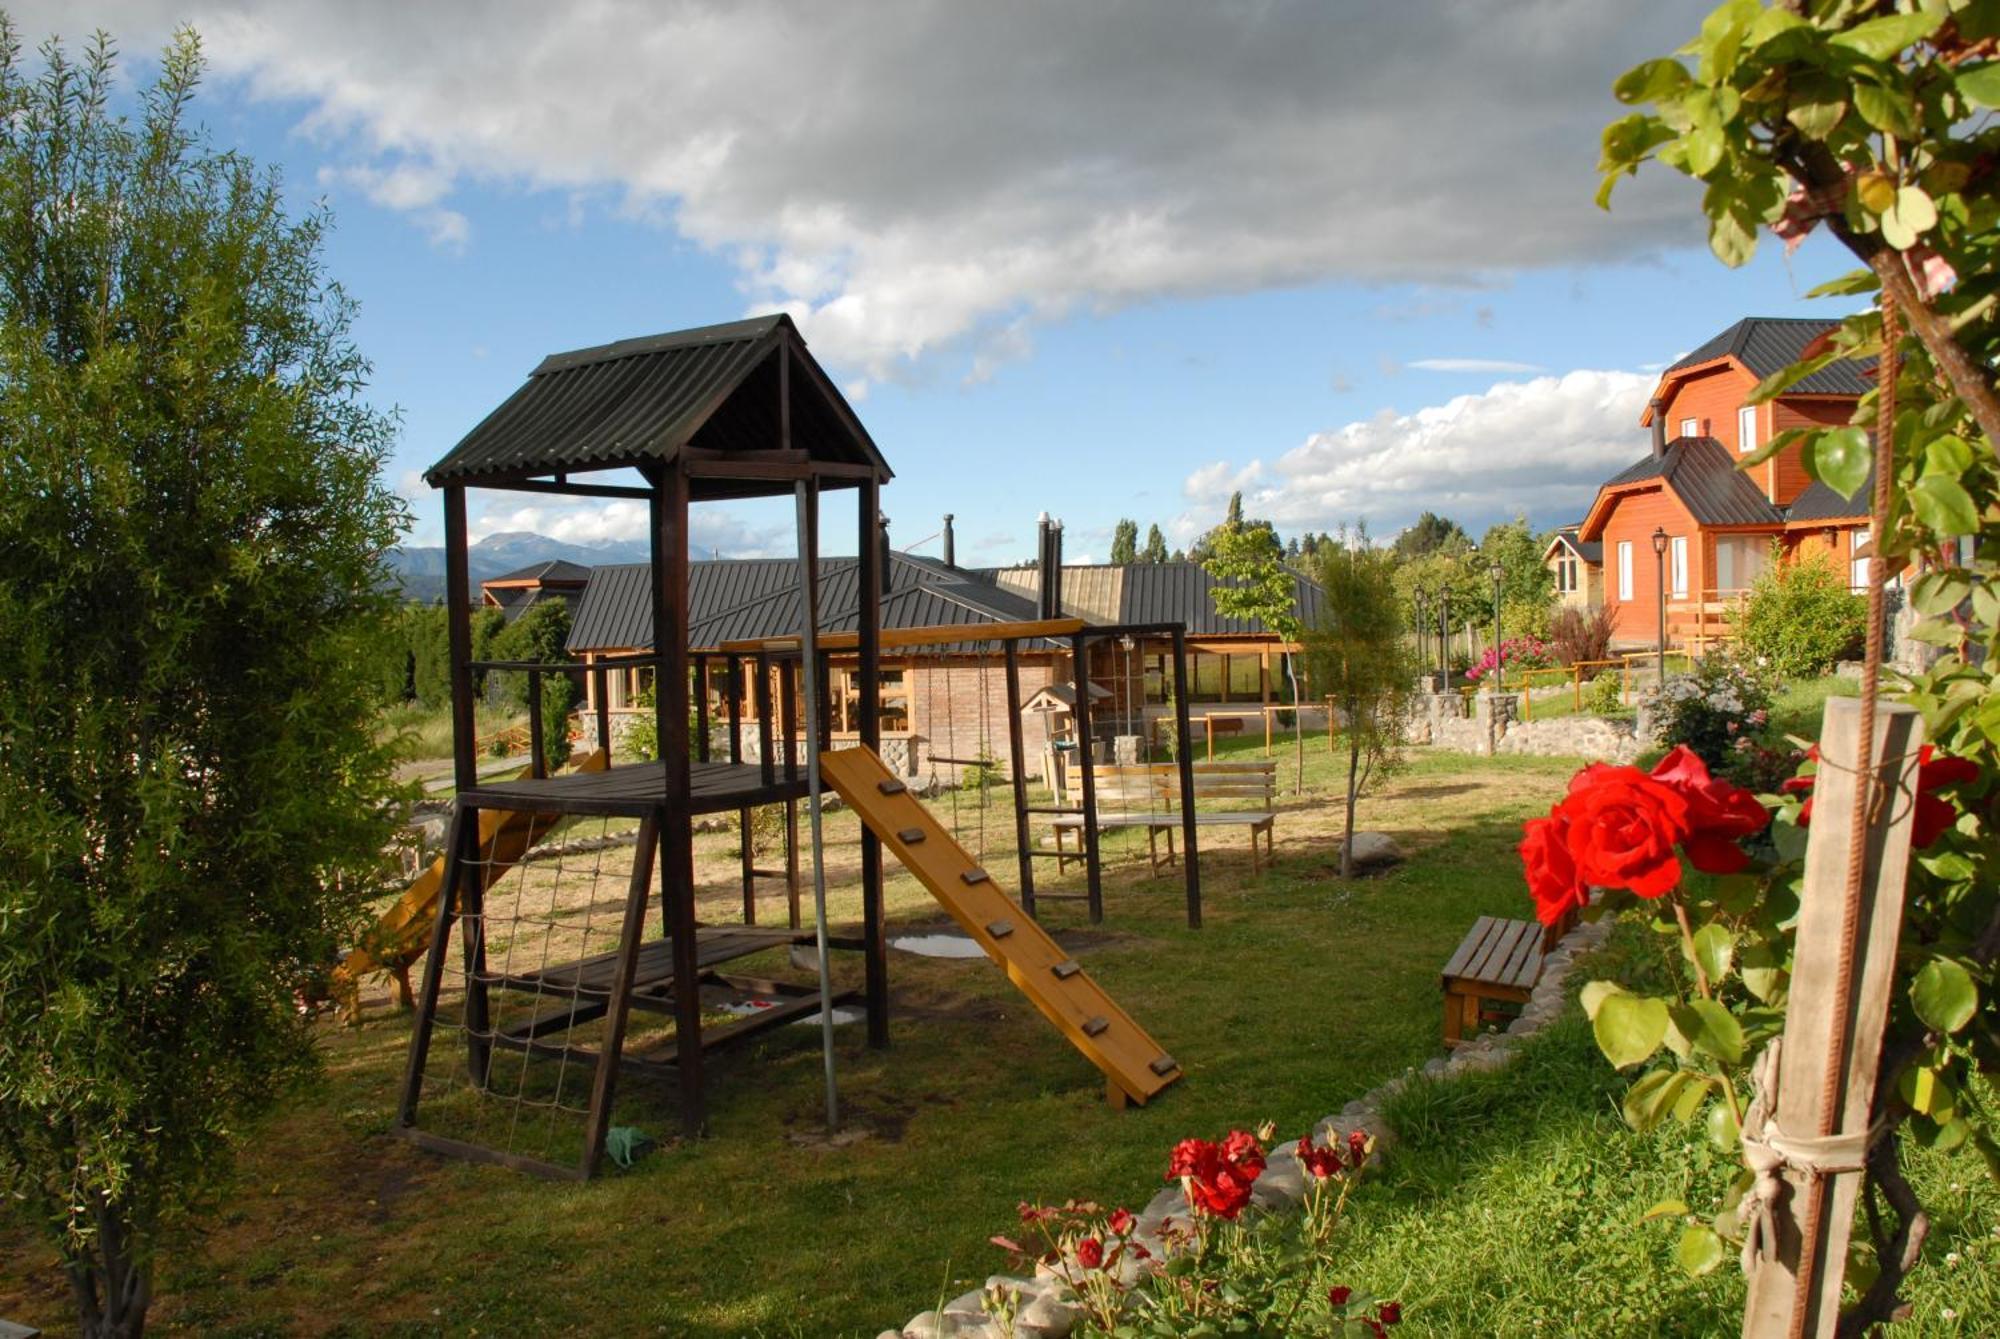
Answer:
(1717, 523)
(515, 593)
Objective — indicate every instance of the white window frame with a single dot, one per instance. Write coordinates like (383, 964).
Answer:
(1857, 568)
(1624, 569)
(1746, 429)
(1677, 567)
(1690, 427)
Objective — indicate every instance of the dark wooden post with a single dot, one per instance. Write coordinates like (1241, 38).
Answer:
(765, 738)
(701, 746)
(1190, 852)
(458, 623)
(788, 725)
(1025, 856)
(604, 1082)
(538, 766)
(604, 710)
(735, 681)
(455, 864)
(868, 624)
(670, 716)
(1093, 870)
(1843, 964)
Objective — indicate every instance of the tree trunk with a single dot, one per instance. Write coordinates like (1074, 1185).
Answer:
(1298, 724)
(112, 1289)
(1353, 792)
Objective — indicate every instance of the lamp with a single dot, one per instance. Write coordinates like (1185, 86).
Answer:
(1422, 629)
(1660, 573)
(1498, 573)
(1444, 634)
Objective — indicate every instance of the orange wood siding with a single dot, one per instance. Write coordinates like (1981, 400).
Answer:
(1783, 477)
(1633, 521)
(1712, 397)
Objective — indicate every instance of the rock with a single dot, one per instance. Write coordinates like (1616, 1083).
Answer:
(1435, 1066)
(923, 1326)
(1281, 1184)
(1047, 1317)
(1376, 850)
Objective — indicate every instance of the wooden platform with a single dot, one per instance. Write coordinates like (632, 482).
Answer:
(635, 789)
(654, 973)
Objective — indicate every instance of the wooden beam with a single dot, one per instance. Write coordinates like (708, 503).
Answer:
(898, 638)
(564, 488)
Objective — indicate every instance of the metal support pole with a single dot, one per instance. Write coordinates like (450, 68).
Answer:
(1190, 852)
(1024, 856)
(1093, 868)
(808, 522)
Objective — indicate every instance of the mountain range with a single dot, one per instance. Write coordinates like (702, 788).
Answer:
(420, 569)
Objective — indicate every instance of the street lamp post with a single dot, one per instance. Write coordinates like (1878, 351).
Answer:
(1660, 574)
(1499, 647)
(1444, 636)
(1422, 630)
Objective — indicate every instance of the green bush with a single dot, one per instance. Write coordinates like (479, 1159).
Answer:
(1603, 697)
(1717, 709)
(1801, 618)
(541, 636)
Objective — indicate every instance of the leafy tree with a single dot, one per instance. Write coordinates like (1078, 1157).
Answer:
(541, 635)
(1431, 534)
(1156, 546)
(1527, 586)
(1252, 581)
(1125, 543)
(1234, 516)
(1875, 121)
(1360, 658)
(192, 518)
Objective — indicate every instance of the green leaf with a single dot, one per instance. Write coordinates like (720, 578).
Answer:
(1647, 1102)
(1906, 220)
(1628, 140)
(1941, 591)
(1704, 149)
(1722, 1131)
(1691, 1097)
(1714, 950)
(1777, 442)
(1629, 1028)
(1816, 116)
(1919, 1086)
(1854, 281)
(1944, 995)
(1712, 1028)
(1785, 377)
(1840, 460)
(1980, 84)
(1943, 505)
(1884, 38)
(1664, 1209)
(1732, 242)
(1700, 1250)
(1763, 976)
(1654, 81)
(1594, 993)
(1887, 111)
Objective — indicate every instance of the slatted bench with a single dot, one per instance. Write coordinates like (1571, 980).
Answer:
(1498, 961)
(1120, 791)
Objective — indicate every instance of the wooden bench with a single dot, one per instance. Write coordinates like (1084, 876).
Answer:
(1148, 796)
(1498, 961)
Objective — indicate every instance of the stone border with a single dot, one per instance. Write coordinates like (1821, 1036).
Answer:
(1043, 1306)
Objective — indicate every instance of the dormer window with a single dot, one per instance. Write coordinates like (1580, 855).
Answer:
(1746, 428)
(1690, 427)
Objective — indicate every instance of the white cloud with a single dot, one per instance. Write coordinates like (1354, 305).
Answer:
(908, 176)
(1473, 365)
(712, 531)
(411, 188)
(1540, 446)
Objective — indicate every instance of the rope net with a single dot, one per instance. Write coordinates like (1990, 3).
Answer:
(518, 1079)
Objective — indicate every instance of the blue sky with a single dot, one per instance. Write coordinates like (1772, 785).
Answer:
(1104, 261)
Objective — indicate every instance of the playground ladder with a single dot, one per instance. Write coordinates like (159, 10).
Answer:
(1134, 1065)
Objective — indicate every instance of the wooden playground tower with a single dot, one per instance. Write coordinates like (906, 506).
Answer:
(719, 413)
(723, 412)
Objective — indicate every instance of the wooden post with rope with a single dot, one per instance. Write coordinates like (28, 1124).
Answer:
(1808, 1132)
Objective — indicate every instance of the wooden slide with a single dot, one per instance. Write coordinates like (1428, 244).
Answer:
(1134, 1065)
(403, 934)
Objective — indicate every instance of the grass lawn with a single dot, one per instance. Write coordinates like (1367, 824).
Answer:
(1301, 992)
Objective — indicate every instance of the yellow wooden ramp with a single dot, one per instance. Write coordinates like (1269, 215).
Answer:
(1133, 1063)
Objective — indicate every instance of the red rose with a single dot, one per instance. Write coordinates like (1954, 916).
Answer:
(1217, 1177)
(1321, 1162)
(1391, 1313)
(1090, 1253)
(1121, 1223)
(1551, 873)
(1357, 1147)
(1934, 816)
(1622, 829)
(1719, 814)
(1338, 1294)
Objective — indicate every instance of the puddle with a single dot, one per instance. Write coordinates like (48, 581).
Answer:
(938, 946)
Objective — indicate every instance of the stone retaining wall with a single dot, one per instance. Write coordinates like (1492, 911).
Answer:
(1494, 726)
(1043, 1307)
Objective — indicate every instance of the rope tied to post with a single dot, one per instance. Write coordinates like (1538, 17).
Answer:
(1768, 1151)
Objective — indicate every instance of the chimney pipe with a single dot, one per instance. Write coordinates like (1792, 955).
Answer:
(950, 543)
(1659, 408)
(883, 580)
(1043, 582)
(1055, 582)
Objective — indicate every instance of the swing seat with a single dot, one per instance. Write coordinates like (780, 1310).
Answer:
(1157, 786)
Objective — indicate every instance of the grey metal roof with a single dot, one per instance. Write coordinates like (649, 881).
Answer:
(1819, 502)
(1182, 593)
(642, 400)
(745, 599)
(1703, 474)
(552, 569)
(1590, 550)
(1766, 344)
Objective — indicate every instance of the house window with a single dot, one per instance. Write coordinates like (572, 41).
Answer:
(1679, 572)
(1624, 569)
(1690, 427)
(1746, 428)
(1566, 575)
(1739, 560)
(1857, 568)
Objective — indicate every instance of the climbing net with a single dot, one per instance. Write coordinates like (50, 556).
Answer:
(526, 986)
(969, 775)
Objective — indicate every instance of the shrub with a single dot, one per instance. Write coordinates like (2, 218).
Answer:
(1801, 618)
(1606, 694)
(1580, 635)
(1710, 708)
(540, 635)
(1522, 653)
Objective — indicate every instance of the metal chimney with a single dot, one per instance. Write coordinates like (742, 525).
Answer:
(950, 543)
(1044, 585)
(882, 553)
(1659, 408)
